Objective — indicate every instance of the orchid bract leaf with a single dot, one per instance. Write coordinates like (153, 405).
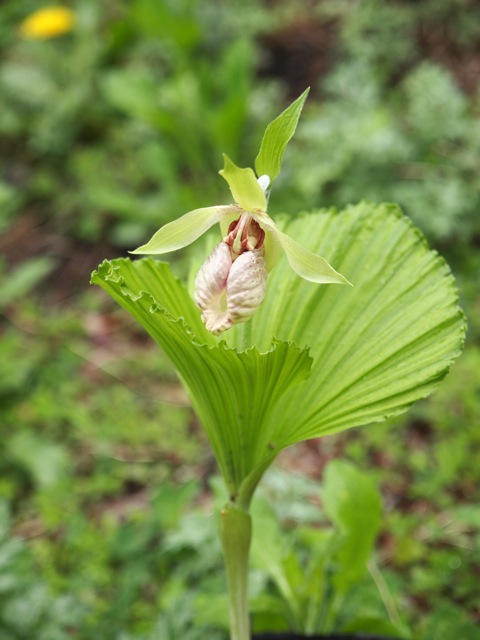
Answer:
(244, 186)
(276, 137)
(378, 346)
(233, 392)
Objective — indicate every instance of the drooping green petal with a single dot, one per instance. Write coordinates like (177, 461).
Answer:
(185, 230)
(233, 392)
(276, 137)
(306, 264)
(378, 346)
(244, 186)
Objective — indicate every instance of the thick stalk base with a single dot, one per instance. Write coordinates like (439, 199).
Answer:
(236, 534)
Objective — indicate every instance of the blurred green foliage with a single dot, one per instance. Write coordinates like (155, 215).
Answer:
(122, 123)
(393, 122)
(318, 574)
(107, 132)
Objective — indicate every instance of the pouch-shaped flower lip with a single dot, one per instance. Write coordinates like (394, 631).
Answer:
(249, 198)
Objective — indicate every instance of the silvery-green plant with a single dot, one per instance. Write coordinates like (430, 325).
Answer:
(295, 359)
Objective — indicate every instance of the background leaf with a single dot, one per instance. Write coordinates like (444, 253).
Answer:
(24, 278)
(449, 621)
(352, 502)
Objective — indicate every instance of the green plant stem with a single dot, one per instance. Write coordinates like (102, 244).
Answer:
(236, 534)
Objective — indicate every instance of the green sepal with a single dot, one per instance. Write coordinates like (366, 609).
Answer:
(305, 263)
(185, 230)
(244, 186)
(276, 137)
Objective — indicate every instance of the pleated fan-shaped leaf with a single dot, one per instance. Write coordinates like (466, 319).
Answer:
(377, 347)
(233, 393)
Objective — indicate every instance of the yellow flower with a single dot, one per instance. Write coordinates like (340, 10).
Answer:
(48, 22)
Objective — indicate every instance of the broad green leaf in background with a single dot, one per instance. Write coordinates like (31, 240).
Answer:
(23, 278)
(276, 137)
(376, 347)
(300, 579)
(134, 93)
(315, 578)
(173, 22)
(449, 621)
(270, 550)
(352, 502)
(17, 362)
(45, 461)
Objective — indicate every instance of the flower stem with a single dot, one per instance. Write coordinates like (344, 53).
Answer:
(236, 533)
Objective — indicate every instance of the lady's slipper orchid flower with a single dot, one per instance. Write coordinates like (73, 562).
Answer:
(231, 284)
